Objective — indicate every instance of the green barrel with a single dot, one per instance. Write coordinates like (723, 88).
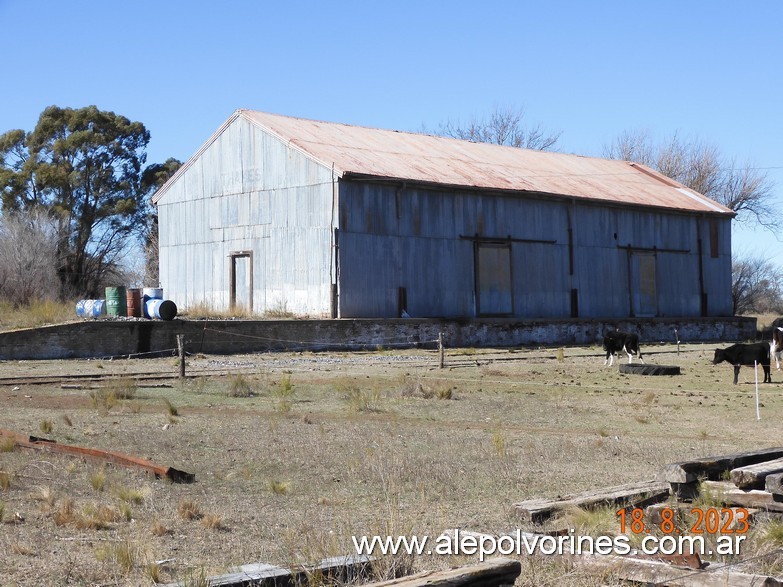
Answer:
(116, 301)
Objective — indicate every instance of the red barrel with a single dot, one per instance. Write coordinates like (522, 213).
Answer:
(134, 303)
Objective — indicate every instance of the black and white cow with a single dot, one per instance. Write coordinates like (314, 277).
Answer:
(617, 341)
(745, 354)
(776, 347)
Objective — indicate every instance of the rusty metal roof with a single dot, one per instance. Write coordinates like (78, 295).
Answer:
(387, 154)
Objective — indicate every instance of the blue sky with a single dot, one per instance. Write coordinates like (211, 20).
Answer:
(711, 71)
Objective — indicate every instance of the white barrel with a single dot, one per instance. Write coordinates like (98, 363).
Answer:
(161, 309)
(150, 293)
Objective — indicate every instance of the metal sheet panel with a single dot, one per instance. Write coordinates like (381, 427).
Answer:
(248, 192)
(422, 240)
(363, 151)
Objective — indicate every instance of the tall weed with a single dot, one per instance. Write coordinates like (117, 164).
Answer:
(36, 313)
(283, 392)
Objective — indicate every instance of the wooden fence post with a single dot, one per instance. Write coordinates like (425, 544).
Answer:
(181, 349)
(440, 349)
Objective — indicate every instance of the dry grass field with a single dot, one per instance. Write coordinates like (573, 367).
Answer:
(294, 453)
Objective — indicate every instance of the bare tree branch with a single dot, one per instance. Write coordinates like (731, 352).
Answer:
(755, 286)
(504, 126)
(703, 168)
(28, 269)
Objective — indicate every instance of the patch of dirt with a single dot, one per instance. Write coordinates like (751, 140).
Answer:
(295, 453)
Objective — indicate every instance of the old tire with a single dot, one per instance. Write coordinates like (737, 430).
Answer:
(641, 369)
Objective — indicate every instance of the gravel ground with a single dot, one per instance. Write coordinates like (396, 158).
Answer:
(295, 453)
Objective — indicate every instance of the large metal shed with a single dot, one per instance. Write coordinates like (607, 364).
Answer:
(286, 215)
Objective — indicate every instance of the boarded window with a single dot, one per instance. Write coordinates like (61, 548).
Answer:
(493, 279)
(714, 238)
(643, 284)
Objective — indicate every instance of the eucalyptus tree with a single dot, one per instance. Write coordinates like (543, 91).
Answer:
(83, 167)
(153, 178)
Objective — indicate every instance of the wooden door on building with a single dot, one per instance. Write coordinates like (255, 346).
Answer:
(493, 279)
(241, 280)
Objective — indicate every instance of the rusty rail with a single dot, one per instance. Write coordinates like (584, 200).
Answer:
(106, 456)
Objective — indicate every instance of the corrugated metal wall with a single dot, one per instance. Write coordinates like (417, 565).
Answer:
(565, 259)
(249, 193)
(253, 210)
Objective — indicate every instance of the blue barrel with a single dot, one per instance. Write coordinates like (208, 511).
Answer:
(90, 308)
(161, 309)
